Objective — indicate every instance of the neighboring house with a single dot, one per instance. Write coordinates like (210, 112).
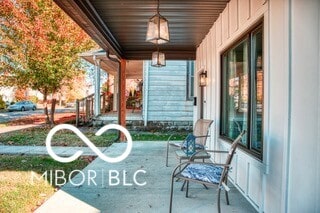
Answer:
(167, 92)
(7, 93)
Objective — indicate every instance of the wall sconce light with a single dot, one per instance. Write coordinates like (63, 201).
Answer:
(203, 78)
(158, 59)
(158, 29)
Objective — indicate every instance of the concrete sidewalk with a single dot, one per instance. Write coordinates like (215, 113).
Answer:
(127, 196)
(42, 150)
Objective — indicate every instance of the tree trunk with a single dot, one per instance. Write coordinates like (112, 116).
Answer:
(53, 108)
(60, 99)
(45, 105)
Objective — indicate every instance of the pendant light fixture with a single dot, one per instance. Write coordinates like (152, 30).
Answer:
(158, 59)
(158, 29)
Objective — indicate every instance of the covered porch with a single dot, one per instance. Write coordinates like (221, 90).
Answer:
(129, 197)
(119, 27)
(233, 42)
(104, 103)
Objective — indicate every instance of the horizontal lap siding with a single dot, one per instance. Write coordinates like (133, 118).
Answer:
(167, 93)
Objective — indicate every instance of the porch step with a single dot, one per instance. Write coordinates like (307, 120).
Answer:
(138, 124)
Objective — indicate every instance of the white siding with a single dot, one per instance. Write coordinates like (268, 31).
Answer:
(238, 16)
(304, 125)
(287, 179)
(167, 93)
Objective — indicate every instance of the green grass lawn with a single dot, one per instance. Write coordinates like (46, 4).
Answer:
(37, 136)
(17, 192)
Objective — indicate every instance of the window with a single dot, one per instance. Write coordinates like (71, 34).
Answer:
(242, 92)
(190, 80)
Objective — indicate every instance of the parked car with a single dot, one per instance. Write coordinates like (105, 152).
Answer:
(22, 106)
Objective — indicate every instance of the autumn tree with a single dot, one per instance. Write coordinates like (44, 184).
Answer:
(39, 47)
(20, 94)
(78, 87)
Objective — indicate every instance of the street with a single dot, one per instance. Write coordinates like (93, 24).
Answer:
(10, 116)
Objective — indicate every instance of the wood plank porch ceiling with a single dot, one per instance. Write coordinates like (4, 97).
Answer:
(120, 25)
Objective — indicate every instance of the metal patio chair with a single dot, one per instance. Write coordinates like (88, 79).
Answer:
(209, 174)
(200, 133)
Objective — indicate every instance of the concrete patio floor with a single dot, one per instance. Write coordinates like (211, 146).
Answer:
(152, 197)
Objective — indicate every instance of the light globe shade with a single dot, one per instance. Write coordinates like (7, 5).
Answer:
(158, 59)
(158, 30)
(203, 79)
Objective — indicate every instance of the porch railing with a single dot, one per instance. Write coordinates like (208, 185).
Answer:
(85, 108)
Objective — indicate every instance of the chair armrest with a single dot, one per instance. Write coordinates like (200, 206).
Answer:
(170, 137)
(201, 136)
(192, 157)
(175, 143)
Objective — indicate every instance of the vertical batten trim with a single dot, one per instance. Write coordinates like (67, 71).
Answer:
(318, 161)
(287, 129)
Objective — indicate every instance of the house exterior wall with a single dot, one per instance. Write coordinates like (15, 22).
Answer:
(287, 178)
(165, 94)
(303, 150)
(7, 93)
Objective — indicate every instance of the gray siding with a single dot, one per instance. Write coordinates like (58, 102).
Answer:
(167, 87)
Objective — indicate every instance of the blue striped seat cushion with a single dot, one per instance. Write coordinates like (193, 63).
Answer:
(197, 146)
(203, 172)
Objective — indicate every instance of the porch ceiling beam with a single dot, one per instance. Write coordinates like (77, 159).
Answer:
(84, 14)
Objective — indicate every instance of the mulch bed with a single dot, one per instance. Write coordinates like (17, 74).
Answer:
(40, 119)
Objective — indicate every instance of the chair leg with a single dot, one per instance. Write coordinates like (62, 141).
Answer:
(171, 193)
(187, 191)
(205, 186)
(219, 207)
(167, 154)
(184, 183)
(227, 197)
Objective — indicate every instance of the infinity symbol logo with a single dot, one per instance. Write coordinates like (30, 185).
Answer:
(89, 143)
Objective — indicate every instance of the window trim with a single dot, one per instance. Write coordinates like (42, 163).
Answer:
(247, 35)
(189, 87)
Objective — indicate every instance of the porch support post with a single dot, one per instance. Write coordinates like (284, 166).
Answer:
(115, 93)
(97, 101)
(122, 96)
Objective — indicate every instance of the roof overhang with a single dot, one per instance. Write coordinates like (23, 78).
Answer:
(119, 26)
(133, 67)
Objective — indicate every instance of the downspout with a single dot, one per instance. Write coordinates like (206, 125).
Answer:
(97, 104)
(119, 87)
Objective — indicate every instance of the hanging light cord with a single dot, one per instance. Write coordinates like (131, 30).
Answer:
(158, 7)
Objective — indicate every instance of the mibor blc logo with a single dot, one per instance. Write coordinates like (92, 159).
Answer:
(90, 177)
(89, 143)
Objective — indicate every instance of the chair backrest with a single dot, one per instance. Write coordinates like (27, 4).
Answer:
(201, 128)
(230, 156)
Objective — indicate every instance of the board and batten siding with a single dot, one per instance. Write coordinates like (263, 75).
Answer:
(236, 19)
(165, 93)
(287, 178)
